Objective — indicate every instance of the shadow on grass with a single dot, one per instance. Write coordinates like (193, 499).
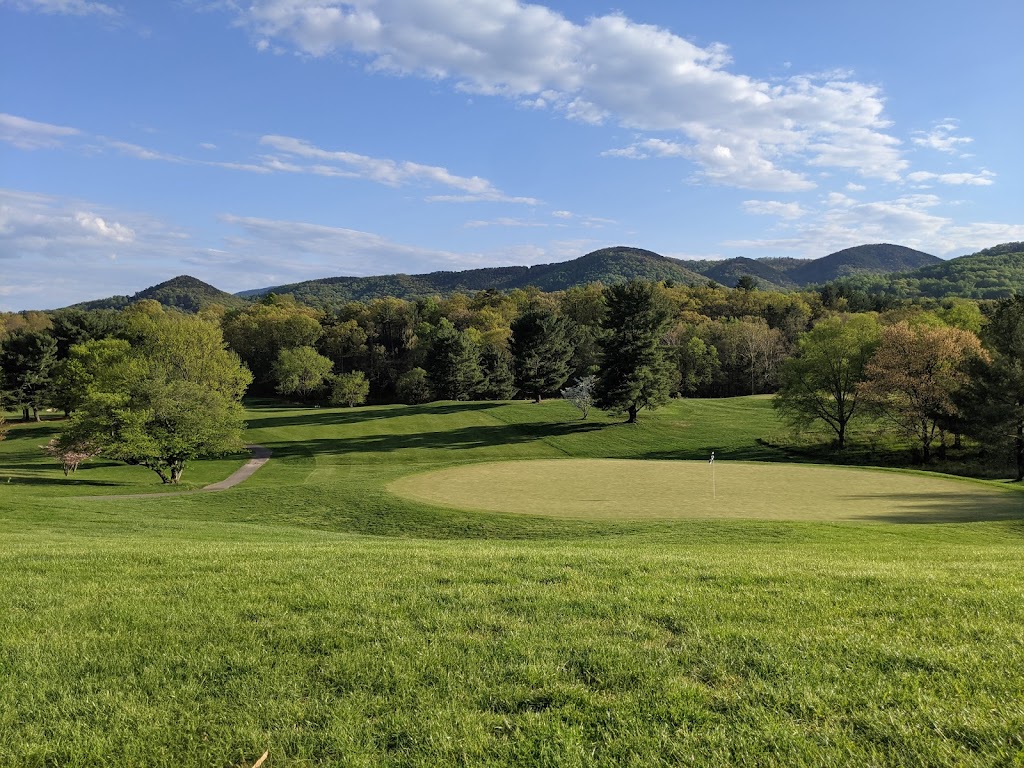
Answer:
(947, 508)
(463, 438)
(66, 482)
(320, 417)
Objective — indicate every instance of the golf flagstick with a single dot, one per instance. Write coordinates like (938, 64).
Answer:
(714, 491)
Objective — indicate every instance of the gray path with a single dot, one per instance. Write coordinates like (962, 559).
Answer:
(260, 455)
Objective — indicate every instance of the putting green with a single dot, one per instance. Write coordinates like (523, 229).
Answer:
(630, 489)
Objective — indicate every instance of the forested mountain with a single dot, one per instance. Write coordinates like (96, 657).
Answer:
(992, 273)
(183, 292)
(609, 265)
(883, 271)
(878, 259)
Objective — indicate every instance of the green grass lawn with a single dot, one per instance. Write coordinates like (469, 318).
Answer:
(315, 613)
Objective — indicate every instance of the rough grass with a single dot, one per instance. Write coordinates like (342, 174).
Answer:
(314, 613)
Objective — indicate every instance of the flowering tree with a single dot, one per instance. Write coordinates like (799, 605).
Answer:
(582, 395)
(69, 453)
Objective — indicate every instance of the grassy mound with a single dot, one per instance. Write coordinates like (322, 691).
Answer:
(618, 489)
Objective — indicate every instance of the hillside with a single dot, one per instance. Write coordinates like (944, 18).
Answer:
(992, 273)
(881, 258)
(183, 292)
(856, 268)
(608, 265)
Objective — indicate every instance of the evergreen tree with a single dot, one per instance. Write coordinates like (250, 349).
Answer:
(636, 372)
(995, 401)
(27, 360)
(541, 351)
(496, 367)
(454, 363)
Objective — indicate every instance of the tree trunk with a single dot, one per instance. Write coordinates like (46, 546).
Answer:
(632, 414)
(536, 397)
(24, 413)
(842, 435)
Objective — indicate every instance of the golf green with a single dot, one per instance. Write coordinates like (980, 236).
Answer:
(631, 489)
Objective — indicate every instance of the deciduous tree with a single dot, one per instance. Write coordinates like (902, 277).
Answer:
(821, 384)
(914, 376)
(350, 389)
(300, 371)
(173, 398)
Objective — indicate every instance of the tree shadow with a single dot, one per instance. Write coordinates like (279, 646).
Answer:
(66, 482)
(320, 417)
(461, 439)
(947, 508)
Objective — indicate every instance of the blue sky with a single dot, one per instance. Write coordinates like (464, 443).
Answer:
(269, 141)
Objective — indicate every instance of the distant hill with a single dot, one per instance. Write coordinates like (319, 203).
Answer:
(608, 265)
(992, 273)
(865, 267)
(183, 292)
(769, 276)
(878, 259)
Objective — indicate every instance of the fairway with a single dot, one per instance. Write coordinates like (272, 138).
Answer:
(496, 584)
(606, 489)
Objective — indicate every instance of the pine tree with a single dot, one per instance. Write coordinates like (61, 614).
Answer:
(454, 363)
(541, 351)
(635, 372)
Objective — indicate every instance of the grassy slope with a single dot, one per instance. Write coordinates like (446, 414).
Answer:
(312, 613)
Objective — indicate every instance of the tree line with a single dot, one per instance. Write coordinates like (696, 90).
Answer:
(932, 371)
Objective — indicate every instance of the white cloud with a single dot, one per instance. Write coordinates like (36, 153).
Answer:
(503, 221)
(911, 220)
(981, 179)
(64, 250)
(851, 187)
(324, 250)
(381, 170)
(29, 134)
(63, 7)
(739, 130)
(941, 137)
(774, 208)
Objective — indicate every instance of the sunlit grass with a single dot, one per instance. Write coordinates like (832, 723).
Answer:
(313, 613)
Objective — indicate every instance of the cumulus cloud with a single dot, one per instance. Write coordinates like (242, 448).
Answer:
(381, 170)
(942, 137)
(65, 250)
(29, 134)
(63, 7)
(912, 220)
(738, 130)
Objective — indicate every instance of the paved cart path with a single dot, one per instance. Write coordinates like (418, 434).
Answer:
(260, 456)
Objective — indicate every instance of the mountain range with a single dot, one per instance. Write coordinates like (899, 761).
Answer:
(610, 265)
(991, 273)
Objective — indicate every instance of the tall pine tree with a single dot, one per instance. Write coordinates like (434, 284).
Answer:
(635, 371)
(541, 350)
